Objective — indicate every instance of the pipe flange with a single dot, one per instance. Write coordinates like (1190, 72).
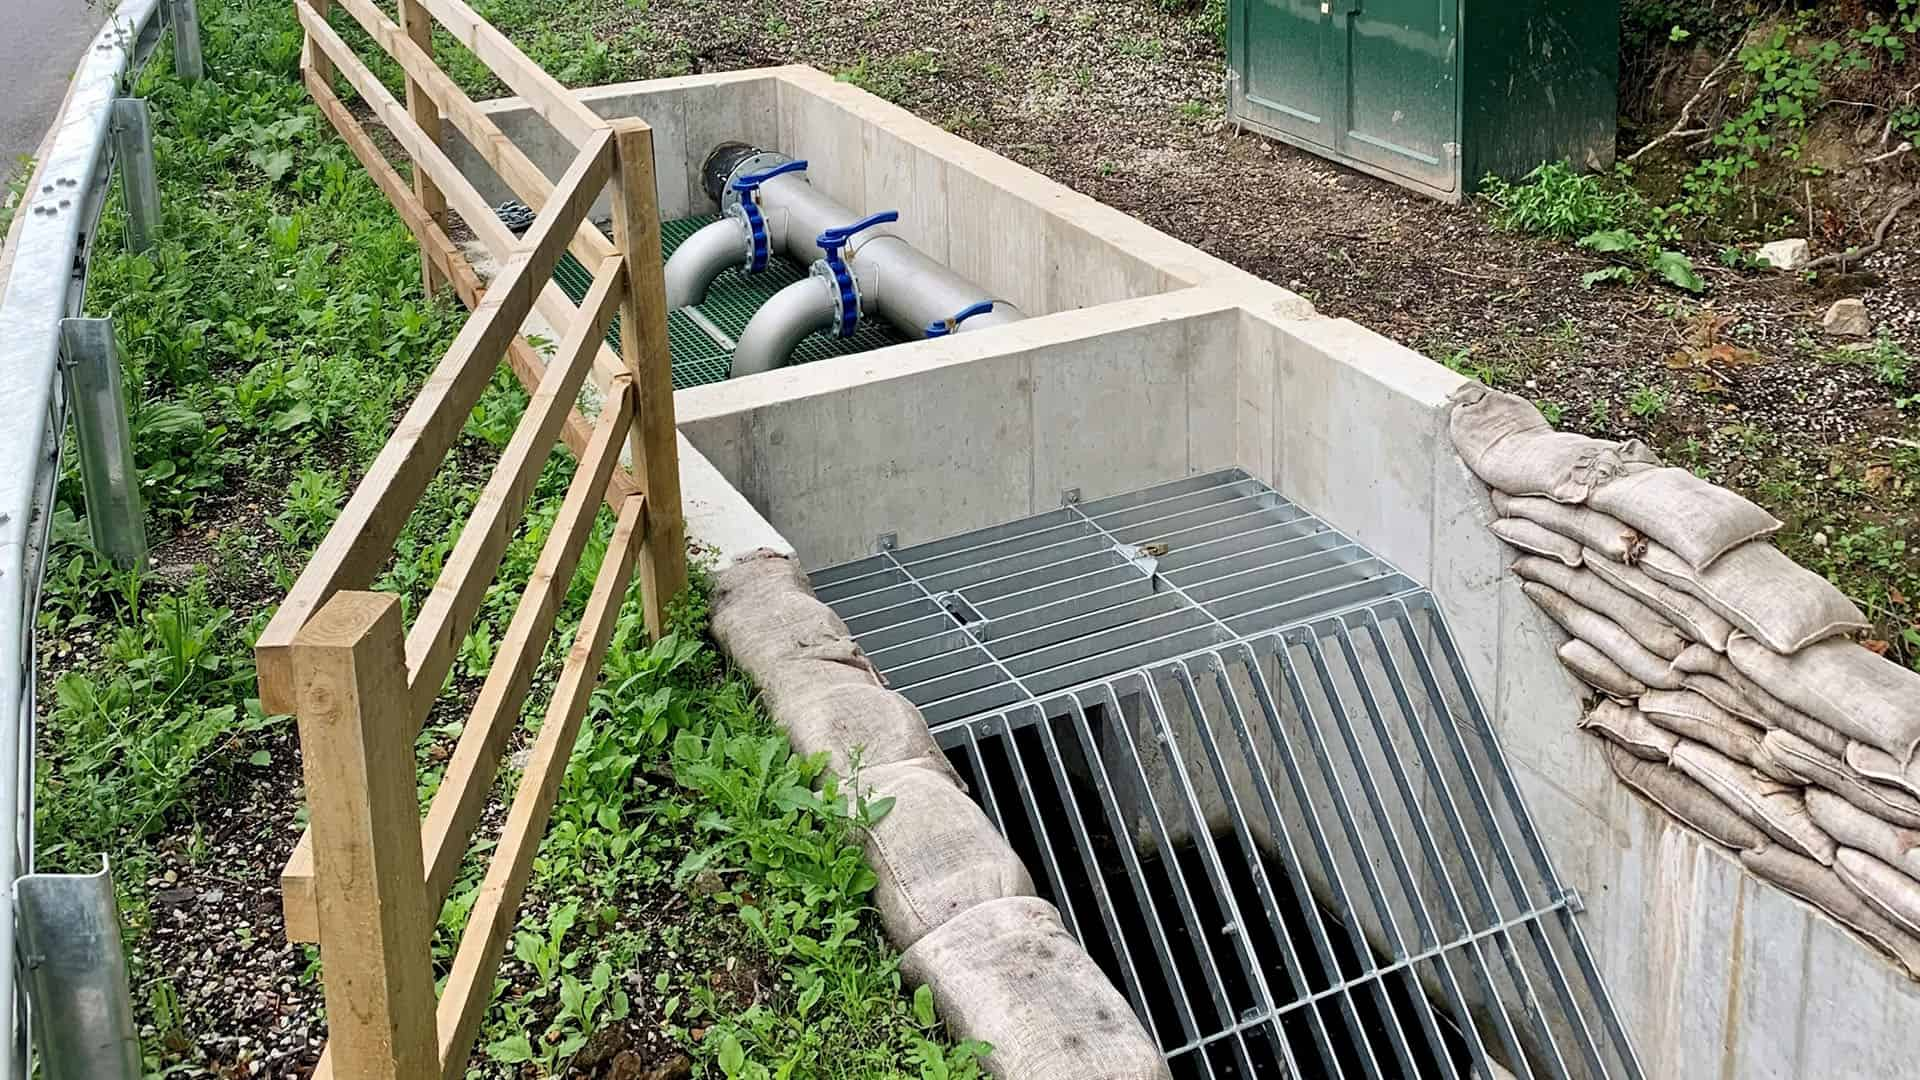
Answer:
(754, 239)
(845, 289)
(839, 276)
(763, 161)
(745, 187)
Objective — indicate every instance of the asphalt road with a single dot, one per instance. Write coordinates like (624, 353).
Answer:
(40, 42)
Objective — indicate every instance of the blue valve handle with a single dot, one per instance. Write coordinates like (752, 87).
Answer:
(831, 242)
(834, 239)
(744, 184)
(943, 327)
(761, 250)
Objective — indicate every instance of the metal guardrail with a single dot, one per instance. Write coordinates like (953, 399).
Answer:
(64, 974)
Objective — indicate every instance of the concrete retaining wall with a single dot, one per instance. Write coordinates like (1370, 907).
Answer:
(1187, 365)
(1039, 244)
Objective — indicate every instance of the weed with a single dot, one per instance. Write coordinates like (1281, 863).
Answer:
(1648, 402)
(1639, 255)
(1558, 201)
(1892, 365)
(1552, 410)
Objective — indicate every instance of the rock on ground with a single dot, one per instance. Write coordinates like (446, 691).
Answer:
(1847, 318)
(1785, 254)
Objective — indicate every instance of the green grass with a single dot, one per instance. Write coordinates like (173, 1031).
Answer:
(270, 340)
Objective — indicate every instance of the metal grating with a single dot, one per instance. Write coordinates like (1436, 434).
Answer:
(703, 354)
(1241, 755)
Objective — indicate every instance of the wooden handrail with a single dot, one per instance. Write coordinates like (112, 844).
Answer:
(574, 121)
(465, 784)
(499, 152)
(362, 537)
(490, 922)
(453, 184)
(369, 873)
(436, 247)
(448, 611)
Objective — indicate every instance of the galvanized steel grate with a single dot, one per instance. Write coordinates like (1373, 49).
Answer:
(703, 354)
(1241, 755)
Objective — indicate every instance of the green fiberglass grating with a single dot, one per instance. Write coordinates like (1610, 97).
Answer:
(698, 357)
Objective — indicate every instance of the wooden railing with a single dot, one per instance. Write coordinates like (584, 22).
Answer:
(368, 878)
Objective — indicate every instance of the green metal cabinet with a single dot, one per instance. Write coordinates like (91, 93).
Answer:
(1432, 94)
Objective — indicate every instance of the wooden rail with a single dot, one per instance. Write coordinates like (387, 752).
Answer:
(369, 877)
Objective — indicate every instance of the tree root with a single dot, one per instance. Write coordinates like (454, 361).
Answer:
(1680, 129)
(1854, 255)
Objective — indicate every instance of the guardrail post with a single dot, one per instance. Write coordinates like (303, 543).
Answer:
(76, 977)
(356, 742)
(108, 478)
(187, 62)
(133, 149)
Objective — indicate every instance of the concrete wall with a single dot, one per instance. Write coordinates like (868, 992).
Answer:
(1039, 244)
(1714, 972)
(933, 438)
(1187, 365)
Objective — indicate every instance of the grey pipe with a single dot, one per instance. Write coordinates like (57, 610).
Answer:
(781, 324)
(701, 258)
(897, 282)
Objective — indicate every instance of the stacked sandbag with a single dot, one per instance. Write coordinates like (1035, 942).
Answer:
(1731, 693)
(950, 892)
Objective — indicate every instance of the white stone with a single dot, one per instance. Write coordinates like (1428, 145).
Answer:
(1847, 318)
(1785, 254)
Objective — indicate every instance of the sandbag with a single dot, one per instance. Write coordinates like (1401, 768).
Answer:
(1537, 540)
(1008, 974)
(1594, 530)
(1629, 728)
(935, 852)
(1696, 520)
(1685, 800)
(1852, 827)
(1776, 601)
(1776, 808)
(1813, 766)
(1694, 618)
(1590, 590)
(1886, 890)
(1738, 695)
(1604, 634)
(1821, 887)
(1512, 448)
(807, 669)
(1691, 716)
(1843, 686)
(1882, 768)
(766, 618)
(1592, 667)
(849, 721)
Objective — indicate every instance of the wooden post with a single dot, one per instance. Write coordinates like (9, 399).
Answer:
(643, 345)
(315, 60)
(418, 24)
(350, 682)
